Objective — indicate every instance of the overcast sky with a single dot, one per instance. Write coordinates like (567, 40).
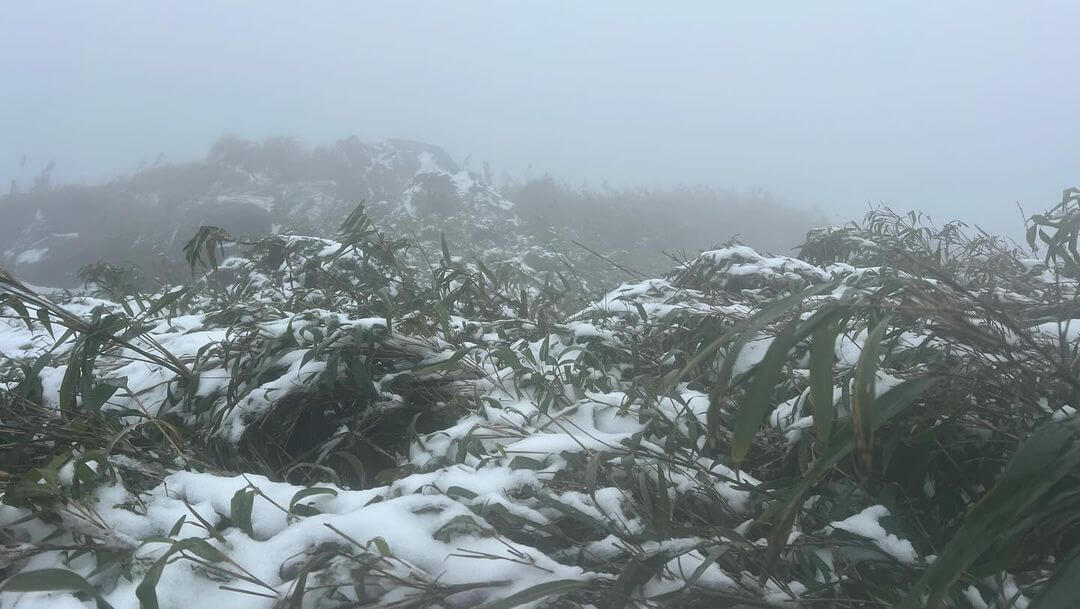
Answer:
(956, 108)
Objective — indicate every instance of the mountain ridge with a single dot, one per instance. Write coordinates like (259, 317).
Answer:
(410, 188)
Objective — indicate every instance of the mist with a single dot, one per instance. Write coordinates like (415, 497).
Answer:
(960, 109)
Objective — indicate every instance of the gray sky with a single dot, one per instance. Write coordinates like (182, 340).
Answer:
(960, 109)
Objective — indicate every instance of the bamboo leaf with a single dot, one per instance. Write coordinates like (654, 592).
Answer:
(720, 389)
(758, 402)
(43, 317)
(98, 396)
(167, 299)
(48, 580)
(535, 593)
(240, 510)
(21, 310)
(822, 361)
(201, 548)
(862, 403)
(146, 591)
(445, 249)
(308, 492)
(70, 383)
(1048, 455)
(890, 404)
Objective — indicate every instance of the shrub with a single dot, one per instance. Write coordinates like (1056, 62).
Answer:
(886, 420)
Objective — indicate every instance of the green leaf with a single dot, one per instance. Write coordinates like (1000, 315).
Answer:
(1048, 455)
(201, 548)
(296, 599)
(167, 299)
(240, 510)
(663, 517)
(822, 356)
(445, 249)
(460, 491)
(862, 403)
(890, 404)
(758, 401)
(484, 270)
(720, 389)
(43, 317)
(48, 580)
(20, 308)
(535, 593)
(70, 384)
(381, 546)
(175, 530)
(308, 492)
(523, 462)
(98, 396)
(146, 591)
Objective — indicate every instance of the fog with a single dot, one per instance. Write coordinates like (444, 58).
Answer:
(960, 109)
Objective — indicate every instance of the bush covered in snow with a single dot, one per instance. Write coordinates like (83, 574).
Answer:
(886, 420)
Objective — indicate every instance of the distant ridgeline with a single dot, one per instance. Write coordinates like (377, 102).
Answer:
(413, 190)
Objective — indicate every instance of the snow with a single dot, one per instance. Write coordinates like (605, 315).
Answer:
(741, 261)
(555, 443)
(867, 524)
(1069, 329)
(679, 570)
(428, 164)
(751, 355)
(971, 593)
(849, 349)
(16, 341)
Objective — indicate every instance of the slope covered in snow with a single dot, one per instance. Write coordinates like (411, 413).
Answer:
(344, 422)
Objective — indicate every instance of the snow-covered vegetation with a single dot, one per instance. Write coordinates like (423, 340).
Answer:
(884, 420)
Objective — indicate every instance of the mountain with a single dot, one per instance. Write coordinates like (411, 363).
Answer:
(411, 189)
(247, 188)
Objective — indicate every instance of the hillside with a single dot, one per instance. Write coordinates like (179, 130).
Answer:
(411, 189)
(885, 420)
